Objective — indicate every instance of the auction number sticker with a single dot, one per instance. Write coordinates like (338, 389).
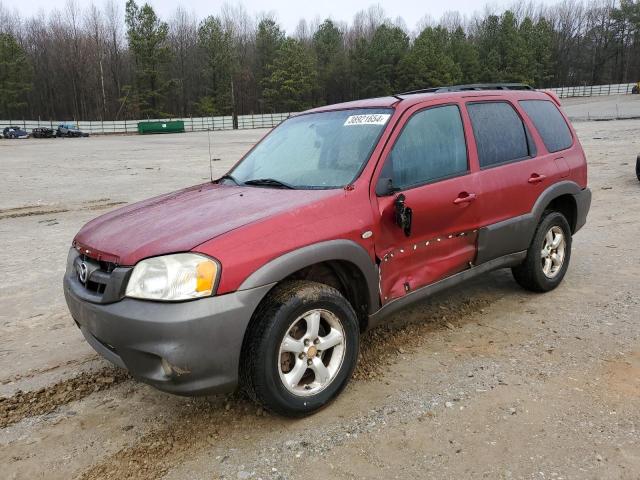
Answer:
(370, 119)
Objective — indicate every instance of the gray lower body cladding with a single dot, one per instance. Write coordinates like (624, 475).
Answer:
(187, 348)
(515, 234)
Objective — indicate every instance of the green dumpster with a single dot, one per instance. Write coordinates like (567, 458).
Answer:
(173, 126)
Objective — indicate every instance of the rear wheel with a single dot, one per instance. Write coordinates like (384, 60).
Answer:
(301, 348)
(548, 256)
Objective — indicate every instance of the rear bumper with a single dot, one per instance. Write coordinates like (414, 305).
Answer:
(583, 204)
(186, 348)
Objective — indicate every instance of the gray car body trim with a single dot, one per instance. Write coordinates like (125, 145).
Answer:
(345, 250)
(515, 234)
(429, 290)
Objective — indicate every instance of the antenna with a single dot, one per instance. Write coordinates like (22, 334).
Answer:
(211, 160)
(210, 164)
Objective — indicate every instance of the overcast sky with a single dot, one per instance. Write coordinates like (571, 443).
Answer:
(289, 12)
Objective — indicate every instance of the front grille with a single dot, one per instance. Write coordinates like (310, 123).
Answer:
(97, 281)
(99, 274)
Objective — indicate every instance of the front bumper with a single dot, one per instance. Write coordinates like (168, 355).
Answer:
(186, 348)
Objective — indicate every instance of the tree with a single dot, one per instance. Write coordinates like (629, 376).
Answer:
(217, 47)
(290, 79)
(375, 62)
(147, 36)
(15, 76)
(512, 50)
(183, 42)
(269, 40)
(465, 54)
(87, 62)
(429, 63)
(328, 44)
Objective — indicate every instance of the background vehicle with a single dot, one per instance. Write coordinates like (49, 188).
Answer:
(338, 218)
(14, 132)
(43, 132)
(70, 130)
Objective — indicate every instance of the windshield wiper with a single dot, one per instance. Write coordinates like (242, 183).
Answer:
(228, 176)
(269, 182)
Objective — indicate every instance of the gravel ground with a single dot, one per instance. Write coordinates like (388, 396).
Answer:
(483, 381)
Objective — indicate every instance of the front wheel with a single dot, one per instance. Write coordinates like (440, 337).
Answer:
(548, 256)
(301, 348)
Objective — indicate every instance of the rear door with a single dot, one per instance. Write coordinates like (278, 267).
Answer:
(428, 164)
(512, 174)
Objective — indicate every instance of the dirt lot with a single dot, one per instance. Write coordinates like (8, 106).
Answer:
(484, 381)
(613, 106)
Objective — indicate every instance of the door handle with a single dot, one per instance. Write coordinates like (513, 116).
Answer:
(465, 197)
(535, 178)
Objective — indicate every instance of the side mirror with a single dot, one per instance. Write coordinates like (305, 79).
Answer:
(384, 187)
(403, 215)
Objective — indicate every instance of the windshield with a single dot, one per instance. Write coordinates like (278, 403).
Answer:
(316, 150)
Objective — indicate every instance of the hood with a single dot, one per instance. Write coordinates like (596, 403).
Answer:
(182, 220)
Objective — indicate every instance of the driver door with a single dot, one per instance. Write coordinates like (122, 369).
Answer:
(428, 164)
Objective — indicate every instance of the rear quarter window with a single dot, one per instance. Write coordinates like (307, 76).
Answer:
(550, 123)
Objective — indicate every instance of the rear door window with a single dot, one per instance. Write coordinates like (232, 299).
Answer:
(431, 147)
(500, 135)
(550, 124)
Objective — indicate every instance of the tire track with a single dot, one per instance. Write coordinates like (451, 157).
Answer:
(37, 210)
(45, 400)
(40, 371)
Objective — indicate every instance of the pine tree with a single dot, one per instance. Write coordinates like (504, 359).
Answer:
(376, 63)
(147, 36)
(328, 45)
(465, 55)
(489, 49)
(429, 63)
(290, 79)
(269, 39)
(15, 76)
(217, 47)
(512, 49)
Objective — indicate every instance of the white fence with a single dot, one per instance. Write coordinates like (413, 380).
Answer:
(593, 90)
(269, 120)
(191, 124)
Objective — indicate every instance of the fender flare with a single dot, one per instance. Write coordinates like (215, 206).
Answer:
(551, 193)
(343, 250)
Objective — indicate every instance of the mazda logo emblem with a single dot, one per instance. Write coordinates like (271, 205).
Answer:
(82, 272)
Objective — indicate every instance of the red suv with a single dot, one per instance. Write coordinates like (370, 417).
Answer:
(266, 277)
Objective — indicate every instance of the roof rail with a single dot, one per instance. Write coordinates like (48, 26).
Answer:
(471, 87)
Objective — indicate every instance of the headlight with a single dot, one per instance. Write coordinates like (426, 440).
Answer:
(181, 276)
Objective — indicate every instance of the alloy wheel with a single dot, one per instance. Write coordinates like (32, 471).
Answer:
(311, 352)
(553, 251)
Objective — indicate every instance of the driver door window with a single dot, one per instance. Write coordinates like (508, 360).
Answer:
(431, 147)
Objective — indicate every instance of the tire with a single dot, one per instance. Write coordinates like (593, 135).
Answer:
(531, 273)
(638, 167)
(265, 360)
